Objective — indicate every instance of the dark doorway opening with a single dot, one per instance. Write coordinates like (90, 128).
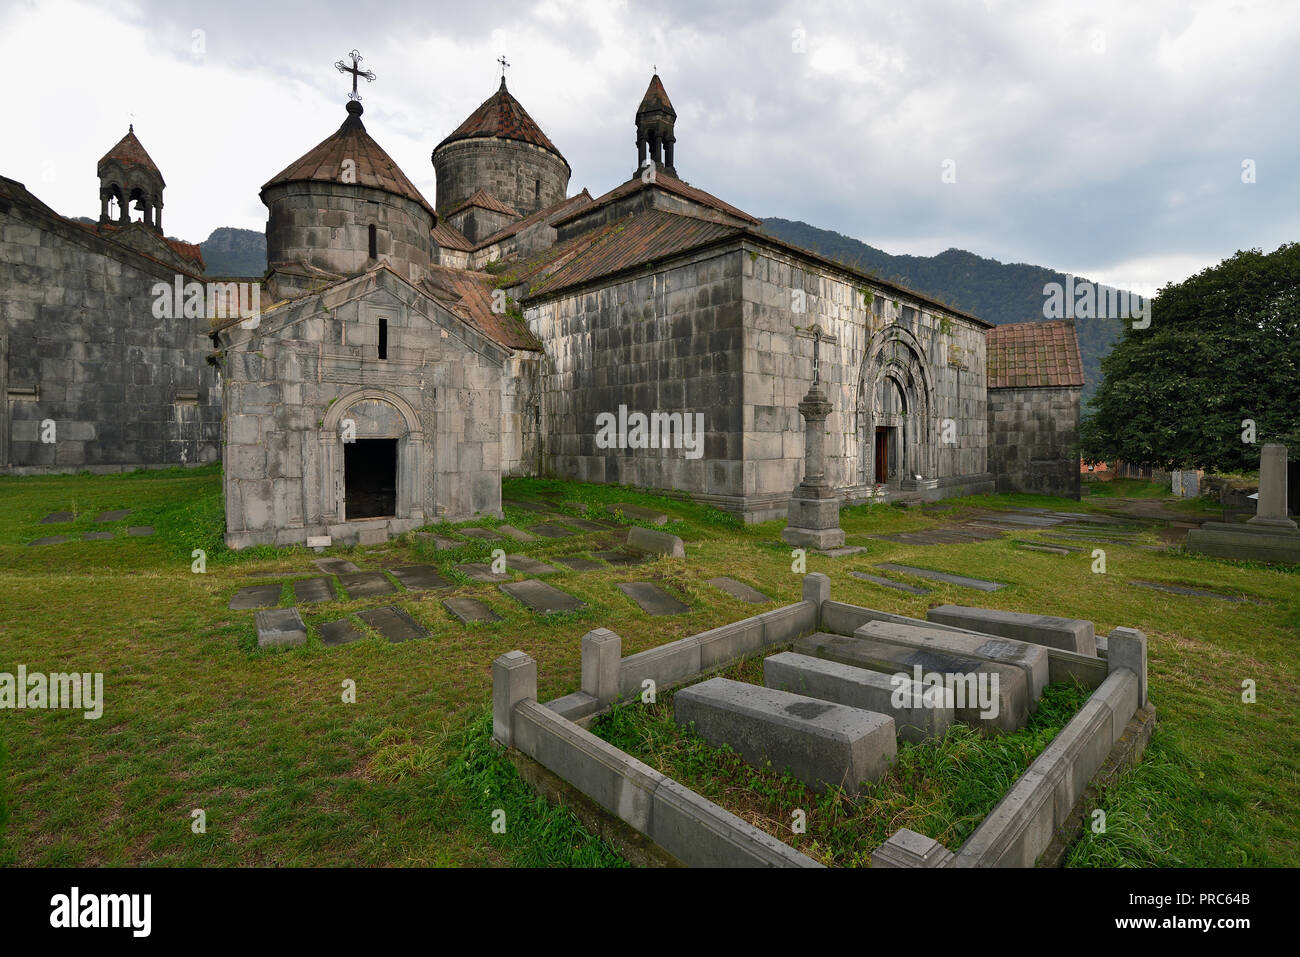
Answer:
(882, 454)
(370, 478)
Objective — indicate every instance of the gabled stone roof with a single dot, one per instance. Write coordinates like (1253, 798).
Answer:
(485, 200)
(374, 168)
(501, 115)
(670, 184)
(549, 214)
(449, 237)
(129, 152)
(1029, 355)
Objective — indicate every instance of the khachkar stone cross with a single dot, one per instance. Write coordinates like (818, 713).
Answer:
(813, 517)
(356, 71)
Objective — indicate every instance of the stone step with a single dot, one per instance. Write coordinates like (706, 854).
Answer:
(886, 583)
(942, 576)
(393, 623)
(1007, 711)
(652, 599)
(541, 597)
(469, 610)
(822, 744)
(1030, 658)
(739, 590)
(919, 713)
(1071, 634)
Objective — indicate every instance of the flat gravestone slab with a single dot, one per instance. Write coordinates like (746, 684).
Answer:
(886, 583)
(481, 572)
(483, 533)
(652, 599)
(1017, 518)
(1070, 634)
(361, 584)
(96, 536)
(1049, 543)
(518, 534)
(585, 525)
(580, 564)
(621, 558)
(113, 516)
(528, 566)
(541, 597)
(942, 577)
(140, 531)
(393, 623)
(256, 596)
(335, 566)
(841, 552)
(438, 541)
(469, 610)
(526, 506)
(639, 512)
(50, 540)
(308, 591)
(552, 530)
(576, 506)
(739, 590)
(280, 628)
(420, 577)
(1051, 549)
(1184, 590)
(54, 518)
(341, 632)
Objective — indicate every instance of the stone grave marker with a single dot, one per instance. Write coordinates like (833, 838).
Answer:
(50, 540)
(541, 597)
(364, 584)
(393, 623)
(553, 530)
(486, 534)
(580, 564)
(280, 628)
(639, 512)
(140, 531)
(308, 591)
(96, 536)
(481, 572)
(739, 590)
(335, 566)
(470, 610)
(256, 596)
(942, 576)
(114, 516)
(56, 518)
(620, 558)
(420, 577)
(652, 599)
(886, 583)
(518, 534)
(528, 566)
(341, 632)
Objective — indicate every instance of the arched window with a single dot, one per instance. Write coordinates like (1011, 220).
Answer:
(374, 245)
(383, 335)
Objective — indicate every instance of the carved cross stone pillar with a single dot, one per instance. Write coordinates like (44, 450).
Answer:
(813, 518)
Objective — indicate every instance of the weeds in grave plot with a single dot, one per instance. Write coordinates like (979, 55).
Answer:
(941, 788)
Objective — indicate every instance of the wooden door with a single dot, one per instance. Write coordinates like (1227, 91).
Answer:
(882, 455)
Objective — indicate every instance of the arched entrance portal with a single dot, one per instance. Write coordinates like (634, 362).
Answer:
(372, 459)
(895, 413)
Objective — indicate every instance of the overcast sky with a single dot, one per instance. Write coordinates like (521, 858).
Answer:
(1104, 138)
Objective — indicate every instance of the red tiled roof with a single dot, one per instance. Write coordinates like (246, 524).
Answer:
(187, 251)
(667, 183)
(1034, 355)
(656, 98)
(631, 241)
(129, 152)
(374, 167)
(548, 214)
(485, 200)
(449, 237)
(469, 296)
(502, 116)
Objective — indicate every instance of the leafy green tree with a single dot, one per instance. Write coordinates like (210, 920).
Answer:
(1222, 347)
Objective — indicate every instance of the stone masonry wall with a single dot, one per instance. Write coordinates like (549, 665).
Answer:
(312, 364)
(521, 426)
(664, 341)
(525, 177)
(1034, 440)
(125, 390)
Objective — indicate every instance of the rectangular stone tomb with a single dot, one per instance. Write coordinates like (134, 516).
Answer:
(739, 590)
(341, 632)
(528, 566)
(971, 679)
(552, 530)
(1071, 634)
(886, 583)
(256, 596)
(942, 576)
(918, 713)
(820, 743)
(280, 628)
(469, 610)
(308, 591)
(1029, 658)
(335, 566)
(363, 584)
(541, 597)
(393, 623)
(652, 599)
(419, 577)
(481, 572)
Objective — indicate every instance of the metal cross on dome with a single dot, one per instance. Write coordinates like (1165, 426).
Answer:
(505, 65)
(356, 71)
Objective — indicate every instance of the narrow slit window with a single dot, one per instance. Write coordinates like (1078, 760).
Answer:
(374, 243)
(383, 338)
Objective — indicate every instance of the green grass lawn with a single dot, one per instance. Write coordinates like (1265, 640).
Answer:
(196, 717)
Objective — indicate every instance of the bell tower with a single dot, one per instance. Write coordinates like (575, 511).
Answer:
(654, 129)
(130, 178)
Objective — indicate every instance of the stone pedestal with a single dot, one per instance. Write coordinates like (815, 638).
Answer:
(813, 519)
(1271, 536)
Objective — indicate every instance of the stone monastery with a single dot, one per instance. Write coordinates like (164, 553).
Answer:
(405, 355)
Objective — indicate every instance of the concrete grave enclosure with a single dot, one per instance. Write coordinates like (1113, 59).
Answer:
(821, 719)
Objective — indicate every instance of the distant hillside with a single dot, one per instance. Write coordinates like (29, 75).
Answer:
(234, 252)
(997, 292)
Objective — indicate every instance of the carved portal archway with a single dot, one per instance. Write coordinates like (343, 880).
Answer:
(372, 414)
(895, 413)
